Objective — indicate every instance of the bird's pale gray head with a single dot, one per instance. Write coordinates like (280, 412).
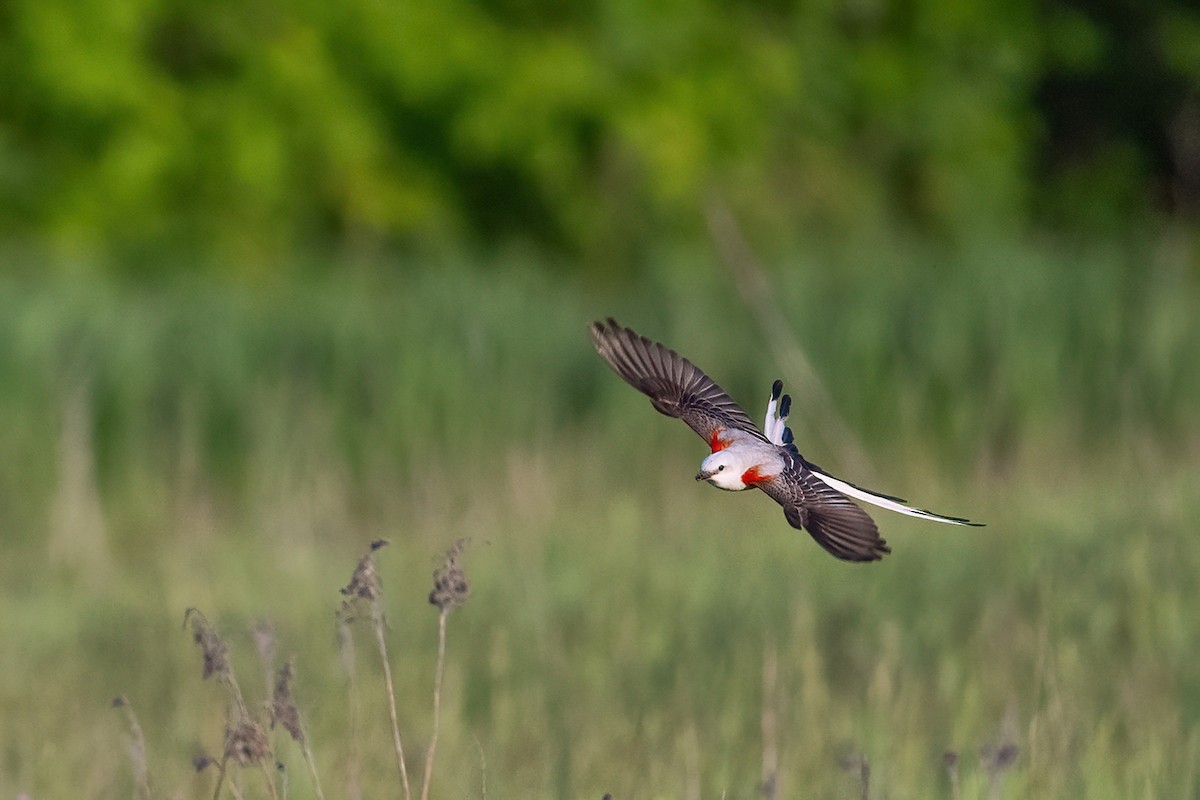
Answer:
(723, 470)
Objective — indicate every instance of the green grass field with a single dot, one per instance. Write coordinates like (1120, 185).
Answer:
(629, 630)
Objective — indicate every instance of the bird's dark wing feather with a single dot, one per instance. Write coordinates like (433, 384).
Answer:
(830, 517)
(676, 387)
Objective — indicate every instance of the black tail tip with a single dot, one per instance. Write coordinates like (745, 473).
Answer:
(785, 406)
(787, 436)
(776, 389)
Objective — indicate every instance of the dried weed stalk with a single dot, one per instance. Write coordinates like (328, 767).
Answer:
(345, 642)
(450, 585)
(286, 715)
(364, 587)
(246, 743)
(450, 590)
(215, 651)
(203, 761)
(137, 750)
(284, 712)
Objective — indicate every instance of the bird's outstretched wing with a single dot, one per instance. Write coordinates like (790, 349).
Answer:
(676, 387)
(830, 517)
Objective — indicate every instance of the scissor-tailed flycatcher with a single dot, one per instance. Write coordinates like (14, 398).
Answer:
(743, 457)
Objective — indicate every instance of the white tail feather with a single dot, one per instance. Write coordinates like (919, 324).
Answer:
(774, 424)
(886, 502)
(769, 421)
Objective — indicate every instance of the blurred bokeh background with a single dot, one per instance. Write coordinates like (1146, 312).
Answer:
(282, 277)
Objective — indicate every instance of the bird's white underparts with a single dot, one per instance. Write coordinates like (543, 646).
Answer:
(746, 457)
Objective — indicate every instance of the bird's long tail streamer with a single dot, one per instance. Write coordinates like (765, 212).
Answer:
(890, 503)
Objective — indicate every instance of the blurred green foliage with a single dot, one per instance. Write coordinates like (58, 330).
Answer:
(968, 357)
(196, 444)
(243, 134)
(188, 442)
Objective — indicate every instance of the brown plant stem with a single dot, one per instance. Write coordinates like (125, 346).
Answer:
(437, 702)
(269, 780)
(137, 753)
(353, 773)
(312, 768)
(220, 777)
(377, 618)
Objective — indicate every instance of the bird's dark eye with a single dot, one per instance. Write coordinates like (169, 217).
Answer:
(720, 468)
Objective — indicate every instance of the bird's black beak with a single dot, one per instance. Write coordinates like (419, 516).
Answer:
(703, 476)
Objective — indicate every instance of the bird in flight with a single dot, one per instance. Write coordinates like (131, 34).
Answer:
(744, 457)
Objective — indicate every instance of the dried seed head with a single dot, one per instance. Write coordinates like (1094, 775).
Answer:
(216, 652)
(283, 708)
(246, 743)
(950, 759)
(202, 761)
(450, 585)
(364, 583)
(119, 701)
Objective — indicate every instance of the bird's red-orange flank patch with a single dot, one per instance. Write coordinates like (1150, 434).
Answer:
(716, 442)
(753, 476)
